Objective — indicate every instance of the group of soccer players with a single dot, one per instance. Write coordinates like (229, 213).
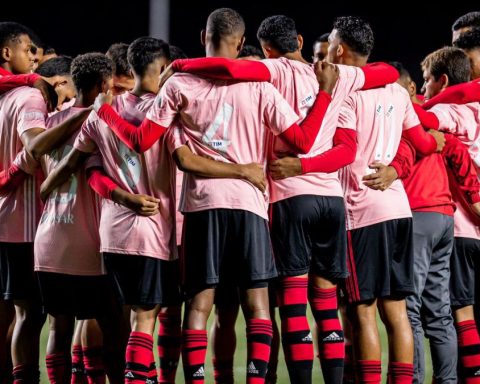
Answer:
(135, 182)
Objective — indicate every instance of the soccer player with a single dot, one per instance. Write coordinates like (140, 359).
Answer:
(469, 41)
(23, 113)
(123, 80)
(465, 23)
(224, 37)
(320, 48)
(406, 81)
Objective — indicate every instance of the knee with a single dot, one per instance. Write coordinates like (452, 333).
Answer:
(225, 318)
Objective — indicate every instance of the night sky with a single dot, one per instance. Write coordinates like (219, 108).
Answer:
(404, 31)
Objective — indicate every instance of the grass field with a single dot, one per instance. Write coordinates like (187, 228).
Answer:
(240, 359)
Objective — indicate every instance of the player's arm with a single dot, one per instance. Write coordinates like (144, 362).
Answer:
(204, 167)
(340, 155)
(11, 179)
(39, 141)
(378, 75)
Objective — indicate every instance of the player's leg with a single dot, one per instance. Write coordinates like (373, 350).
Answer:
(78, 368)
(7, 317)
(271, 377)
(169, 342)
(58, 355)
(92, 348)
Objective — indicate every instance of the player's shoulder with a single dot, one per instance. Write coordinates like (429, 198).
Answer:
(62, 115)
(23, 94)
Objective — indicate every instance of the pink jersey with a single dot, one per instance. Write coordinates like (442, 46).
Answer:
(228, 122)
(298, 84)
(462, 120)
(379, 116)
(20, 110)
(67, 239)
(152, 173)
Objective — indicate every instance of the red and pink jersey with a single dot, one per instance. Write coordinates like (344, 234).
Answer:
(224, 121)
(379, 116)
(462, 120)
(298, 84)
(151, 173)
(67, 239)
(20, 110)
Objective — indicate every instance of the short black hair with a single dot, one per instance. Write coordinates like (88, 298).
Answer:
(144, 51)
(468, 40)
(57, 66)
(37, 42)
(49, 51)
(250, 50)
(400, 68)
(356, 33)
(118, 54)
(224, 22)
(470, 19)
(449, 61)
(10, 31)
(322, 38)
(90, 69)
(177, 53)
(279, 31)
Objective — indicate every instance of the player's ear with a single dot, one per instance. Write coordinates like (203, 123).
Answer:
(300, 42)
(203, 34)
(340, 50)
(444, 81)
(240, 44)
(5, 54)
(412, 88)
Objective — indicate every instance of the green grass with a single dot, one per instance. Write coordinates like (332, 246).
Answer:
(240, 358)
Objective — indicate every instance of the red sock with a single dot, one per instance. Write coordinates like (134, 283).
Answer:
(93, 362)
(296, 337)
(330, 333)
(469, 351)
(58, 367)
(223, 371)
(400, 373)
(349, 369)
(138, 358)
(78, 369)
(259, 341)
(152, 377)
(193, 355)
(26, 374)
(369, 371)
(169, 343)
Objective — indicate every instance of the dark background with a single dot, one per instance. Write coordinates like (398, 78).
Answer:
(404, 30)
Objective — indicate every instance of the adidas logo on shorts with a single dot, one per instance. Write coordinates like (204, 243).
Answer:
(308, 337)
(334, 336)
(251, 369)
(200, 372)
(129, 375)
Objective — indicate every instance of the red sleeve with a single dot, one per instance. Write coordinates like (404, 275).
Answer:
(458, 159)
(11, 179)
(223, 68)
(428, 119)
(424, 143)
(101, 183)
(404, 159)
(378, 75)
(10, 82)
(457, 94)
(340, 155)
(301, 137)
(139, 139)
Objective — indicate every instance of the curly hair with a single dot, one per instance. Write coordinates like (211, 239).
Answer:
(356, 33)
(90, 69)
(57, 66)
(279, 31)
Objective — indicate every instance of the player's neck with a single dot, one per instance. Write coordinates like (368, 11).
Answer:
(7, 67)
(223, 49)
(83, 100)
(297, 55)
(144, 85)
(355, 60)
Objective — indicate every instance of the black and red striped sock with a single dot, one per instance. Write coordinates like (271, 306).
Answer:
(152, 377)
(349, 367)
(259, 341)
(369, 371)
(296, 336)
(169, 343)
(400, 373)
(93, 362)
(330, 333)
(223, 371)
(78, 368)
(138, 357)
(58, 367)
(26, 374)
(193, 355)
(469, 351)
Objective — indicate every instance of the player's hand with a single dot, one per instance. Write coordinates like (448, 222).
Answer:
(327, 75)
(255, 174)
(143, 205)
(285, 167)
(102, 98)
(475, 208)
(383, 177)
(439, 138)
(48, 93)
(165, 75)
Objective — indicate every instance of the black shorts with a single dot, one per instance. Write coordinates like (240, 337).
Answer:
(380, 261)
(465, 255)
(85, 297)
(226, 246)
(308, 234)
(143, 280)
(17, 276)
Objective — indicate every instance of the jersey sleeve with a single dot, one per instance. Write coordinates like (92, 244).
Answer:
(277, 113)
(32, 112)
(410, 120)
(84, 141)
(448, 118)
(347, 117)
(350, 79)
(166, 105)
(174, 139)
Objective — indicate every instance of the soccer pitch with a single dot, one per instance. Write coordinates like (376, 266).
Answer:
(240, 358)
